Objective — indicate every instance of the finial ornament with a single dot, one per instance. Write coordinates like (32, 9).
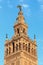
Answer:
(20, 7)
(6, 36)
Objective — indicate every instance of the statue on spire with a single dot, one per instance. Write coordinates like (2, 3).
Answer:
(20, 7)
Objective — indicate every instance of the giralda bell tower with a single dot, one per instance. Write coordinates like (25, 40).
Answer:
(20, 50)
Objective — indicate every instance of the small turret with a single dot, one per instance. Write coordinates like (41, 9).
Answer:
(7, 40)
(34, 39)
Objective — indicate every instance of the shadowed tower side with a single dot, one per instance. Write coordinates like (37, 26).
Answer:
(20, 50)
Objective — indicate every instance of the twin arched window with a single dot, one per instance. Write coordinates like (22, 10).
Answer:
(22, 30)
(28, 47)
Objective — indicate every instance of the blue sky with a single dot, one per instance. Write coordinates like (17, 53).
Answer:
(33, 13)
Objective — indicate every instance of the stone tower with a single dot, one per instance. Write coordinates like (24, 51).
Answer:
(20, 50)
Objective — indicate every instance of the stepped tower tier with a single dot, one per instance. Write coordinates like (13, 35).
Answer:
(20, 27)
(20, 50)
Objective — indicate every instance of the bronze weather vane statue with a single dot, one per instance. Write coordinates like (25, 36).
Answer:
(20, 7)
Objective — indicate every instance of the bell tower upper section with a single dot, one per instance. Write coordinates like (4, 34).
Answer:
(20, 27)
(20, 50)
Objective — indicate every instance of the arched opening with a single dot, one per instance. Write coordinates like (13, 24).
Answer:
(23, 30)
(13, 46)
(19, 46)
(24, 46)
(18, 30)
(9, 50)
(16, 47)
(28, 47)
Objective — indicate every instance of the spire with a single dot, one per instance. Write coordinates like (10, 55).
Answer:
(20, 17)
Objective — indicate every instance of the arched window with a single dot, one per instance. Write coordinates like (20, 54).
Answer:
(23, 30)
(17, 30)
(9, 50)
(19, 46)
(28, 47)
(13, 46)
(24, 46)
(16, 47)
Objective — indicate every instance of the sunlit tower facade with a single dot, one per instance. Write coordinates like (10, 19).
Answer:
(20, 50)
